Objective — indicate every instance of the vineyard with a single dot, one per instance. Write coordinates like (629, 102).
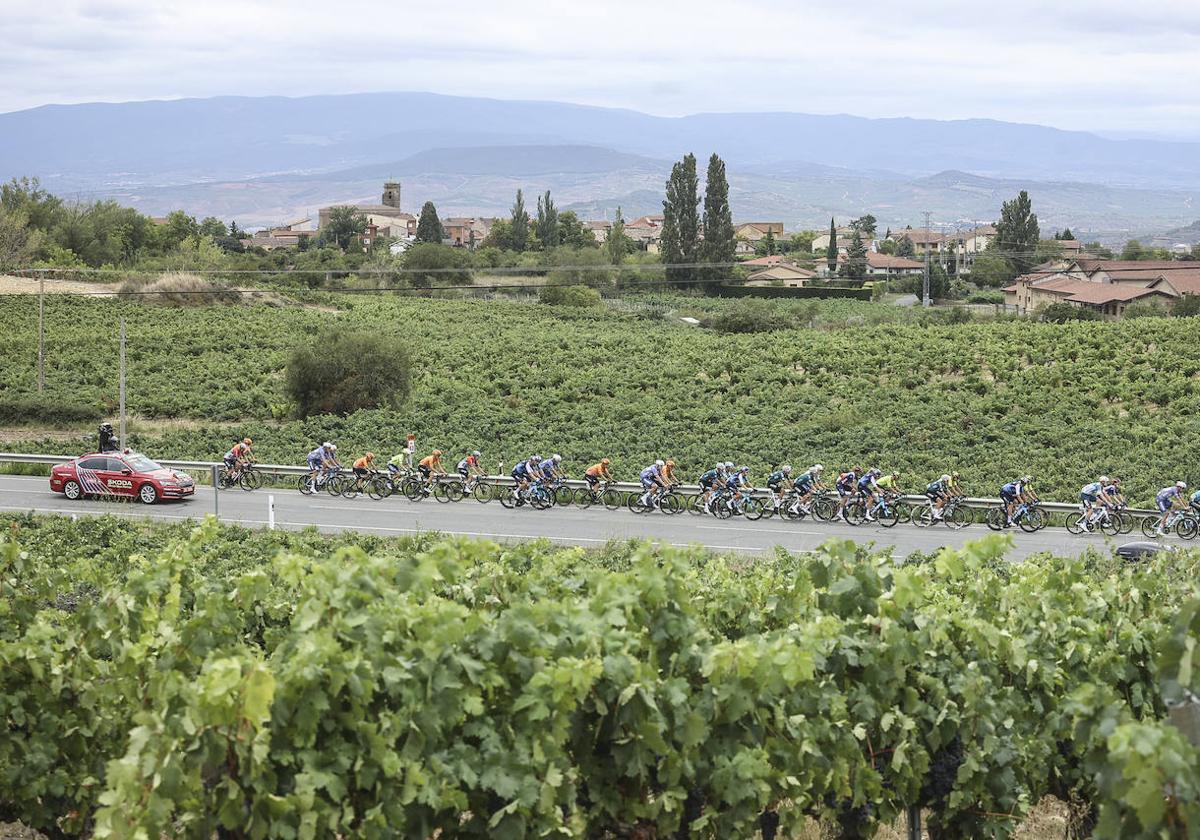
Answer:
(631, 381)
(161, 681)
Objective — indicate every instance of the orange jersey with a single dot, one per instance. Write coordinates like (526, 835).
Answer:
(363, 463)
(431, 461)
(668, 471)
(597, 470)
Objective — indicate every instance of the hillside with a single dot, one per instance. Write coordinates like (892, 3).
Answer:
(158, 142)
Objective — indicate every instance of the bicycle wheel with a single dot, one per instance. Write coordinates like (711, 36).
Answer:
(1125, 521)
(825, 508)
(250, 480)
(887, 516)
(351, 489)
(1150, 527)
(997, 519)
(377, 487)
(856, 513)
(1033, 520)
(754, 509)
(695, 505)
(635, 503)
(413, 489)
(1075, 523)
(720, 508)
(611, 499)
(507, 497)
(585, 498)
(304, 485)
(1186, 528)
(904, 512)
(959, 517)
(441, 492)
(923, 518)
(671, 504)
(484, 493)
(541, 499)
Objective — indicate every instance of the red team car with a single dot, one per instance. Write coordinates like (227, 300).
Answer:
(120, 474)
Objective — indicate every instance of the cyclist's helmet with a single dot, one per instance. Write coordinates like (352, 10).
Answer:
(333, 447)
(895, 475)
(955, 473)
(535, 458)
(437, 452)
(1104, 479)
(659, 463)
(247, 441)
(945, 477)
(744, 470)
(729, 465)
(670, 462)
(1182, 485)
(327, 445)
(370, 456)
(720, 465)
(1027, 479)
(605, 461)
(557, 458)
(818, 468)
(856, 470)
(476, 454)
(877, 472)
(787, 468)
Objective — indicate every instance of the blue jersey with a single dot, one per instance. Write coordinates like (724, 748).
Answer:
(521, 470)
(847, 480)
(804, 481)
(866, 481)
(650, 474)
(1167, 494)
(709, 477)
(1196, 498)
(547, 468)
(775, 477)
(738, 480)
(1112, 490)
(1091, 490)
(317, 454)
(1013, 488)
(936, 487)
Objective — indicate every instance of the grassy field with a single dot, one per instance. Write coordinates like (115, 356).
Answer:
(845, 382)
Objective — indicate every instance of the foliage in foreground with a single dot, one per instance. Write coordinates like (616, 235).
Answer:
(270, 685)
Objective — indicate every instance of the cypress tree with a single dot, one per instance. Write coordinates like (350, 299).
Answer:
(855, 267)
(615, 244)
(831, 252)
(1017, 231)
(547, 221)
(718, 245)
(519, 230)
(681, 221)
(429, 226)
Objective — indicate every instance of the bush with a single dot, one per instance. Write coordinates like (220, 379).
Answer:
(177, 288)
(1186, 307)
(985, 297)
(45, 411)
(582, 296)
(748, 316)
(437, 265)
(1060, 313)
(1146, 309)
(342, 372)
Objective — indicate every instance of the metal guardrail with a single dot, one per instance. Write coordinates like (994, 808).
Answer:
(623, 486)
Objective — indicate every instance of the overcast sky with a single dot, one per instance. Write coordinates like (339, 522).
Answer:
(1106, 65)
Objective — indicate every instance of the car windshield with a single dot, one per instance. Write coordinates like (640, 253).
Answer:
(140, 463)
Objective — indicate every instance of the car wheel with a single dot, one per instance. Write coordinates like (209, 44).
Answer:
(72, 490)
(148, 494)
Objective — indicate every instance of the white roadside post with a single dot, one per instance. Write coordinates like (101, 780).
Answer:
(271, 513)
(216, 501)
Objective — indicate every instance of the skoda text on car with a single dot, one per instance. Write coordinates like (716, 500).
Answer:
(120, 474)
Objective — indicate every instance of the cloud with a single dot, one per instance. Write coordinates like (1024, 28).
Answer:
(1086, 64)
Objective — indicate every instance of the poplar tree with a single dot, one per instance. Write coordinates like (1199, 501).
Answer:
(719, 246)
(831, 251)
(681, 221)
(519, 231)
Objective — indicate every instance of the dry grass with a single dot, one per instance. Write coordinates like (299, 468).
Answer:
(179, 288)
(12, 285)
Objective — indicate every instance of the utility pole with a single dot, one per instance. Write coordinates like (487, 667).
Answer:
(122, 422)
(925, 287)
(41, 333)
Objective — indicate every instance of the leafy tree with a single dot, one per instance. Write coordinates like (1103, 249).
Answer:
(18, 241)
(344, 228)
(586, 266)
(939, 282)
(500, 236)
(1047, 250)
(340, 372)
(801, 242)
(719, 246)
(547, 222)
(1187, 306)
(906, 248)
(617, 243)
(887, 246)
(855, 267)
(767, 245)
(42, 210)
(1065, 234)
(1060, 313)
(559, 295)
(573, 233)
(237, 233)
(435, 264)
(681, 223)
(429, 226)
(519, 223)
(992, 270)
(213, 227)
(1017, 233)
(1099, 250)
(867, 224)
(831, 251)
(179, 227)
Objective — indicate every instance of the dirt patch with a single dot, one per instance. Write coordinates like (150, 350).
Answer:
(12, 285)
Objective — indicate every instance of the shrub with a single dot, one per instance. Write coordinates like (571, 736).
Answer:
(1146, 309)
(1186, 307)
(1060, 313)
(748, 316)
(569, 296)
(985, 297)
(177, 288)
(342, 372)
(437, 265)
(46, 411)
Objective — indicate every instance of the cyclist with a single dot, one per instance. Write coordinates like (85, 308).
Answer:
(551, 469)
(398, 463)
(1169, 499)
(668, 473)
(711, 480)
(596, 473)
(847, 487)
(889, 485)
(324, 457)
(1090, 498)
(738, 482)
(939, 492)
(775, 482)
(525, 472)
(431, 465)
(470, 466)
(1116, 499)
(1017, 492)
(238, 457)
(362, 467)
(869, 490)
(652, 483)
(806, 484)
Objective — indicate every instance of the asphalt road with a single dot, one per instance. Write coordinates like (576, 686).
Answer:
(570, 526)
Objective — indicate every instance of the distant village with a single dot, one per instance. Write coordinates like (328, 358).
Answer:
(1074, 276)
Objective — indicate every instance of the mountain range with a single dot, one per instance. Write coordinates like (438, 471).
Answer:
(265, 159)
